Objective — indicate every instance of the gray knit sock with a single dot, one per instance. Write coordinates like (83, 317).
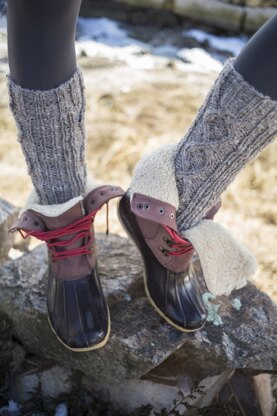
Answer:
(51, 133)
(234, 124)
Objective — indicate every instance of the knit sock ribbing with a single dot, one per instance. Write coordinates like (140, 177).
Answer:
(233, 125)
(51, 133)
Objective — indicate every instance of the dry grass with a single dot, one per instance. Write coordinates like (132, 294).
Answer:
(130, 112)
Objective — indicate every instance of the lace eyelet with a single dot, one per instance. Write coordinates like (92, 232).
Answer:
(172, 215)
(167, 241)
(140, 206)
(161, 211)
(164, 251)
(146, 206)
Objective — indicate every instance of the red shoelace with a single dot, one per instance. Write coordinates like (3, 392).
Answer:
(80, 229)
(180, 245)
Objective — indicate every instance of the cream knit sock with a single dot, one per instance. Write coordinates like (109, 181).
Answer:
(234, 124)
(51, 133)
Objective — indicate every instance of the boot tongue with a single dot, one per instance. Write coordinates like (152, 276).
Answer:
(71, 215)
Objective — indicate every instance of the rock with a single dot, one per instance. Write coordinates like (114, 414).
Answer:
(212, 12)
(6, 346)
(55, 381)
(169, 385)
(245, 340)
(162, 17)
(18, 356)
(263, 390)
(242, 395)
(253, 3)
(256, 17)
(233, 15)
(140, 339)
(42, 386)
(107, 8)
(26, 387)
(141, 3)
(160, 392)
(261, 3)
(8, 214)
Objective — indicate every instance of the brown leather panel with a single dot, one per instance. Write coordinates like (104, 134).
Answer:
(150, 221)
(67, 269)
(157, 238)
(154, 210)
(72, 267)
(100, 196)
(28, 221)
(75, 267)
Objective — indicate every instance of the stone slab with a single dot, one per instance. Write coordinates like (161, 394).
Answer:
(256, 17)
(8, 214)
(140, 340)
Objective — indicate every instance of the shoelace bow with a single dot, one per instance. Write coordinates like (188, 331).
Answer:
(80, 228)
(180, 245)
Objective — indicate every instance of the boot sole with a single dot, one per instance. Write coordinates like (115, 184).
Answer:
(125, 224)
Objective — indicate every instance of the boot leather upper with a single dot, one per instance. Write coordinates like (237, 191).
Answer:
(152, 215)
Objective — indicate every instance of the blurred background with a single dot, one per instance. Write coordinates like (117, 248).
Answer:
(148, 66)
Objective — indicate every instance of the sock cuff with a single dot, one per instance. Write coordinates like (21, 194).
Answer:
(229, 67)
(60, 98)
(237, 96)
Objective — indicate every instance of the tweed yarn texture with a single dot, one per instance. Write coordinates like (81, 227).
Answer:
(51, 132)
(233, 125)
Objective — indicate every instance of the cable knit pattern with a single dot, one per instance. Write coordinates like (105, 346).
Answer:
(233, 125)
(51, 132)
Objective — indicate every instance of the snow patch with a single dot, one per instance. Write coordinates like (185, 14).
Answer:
(3, 23)
(200, 59)
(12, 408)
(105, 31)
(14, 254)
(220, 43)
(61, 410)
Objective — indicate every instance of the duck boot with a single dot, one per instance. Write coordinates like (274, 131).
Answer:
(148, 212)
(77, 310)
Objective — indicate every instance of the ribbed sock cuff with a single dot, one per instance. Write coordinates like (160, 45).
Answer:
(52, 136)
